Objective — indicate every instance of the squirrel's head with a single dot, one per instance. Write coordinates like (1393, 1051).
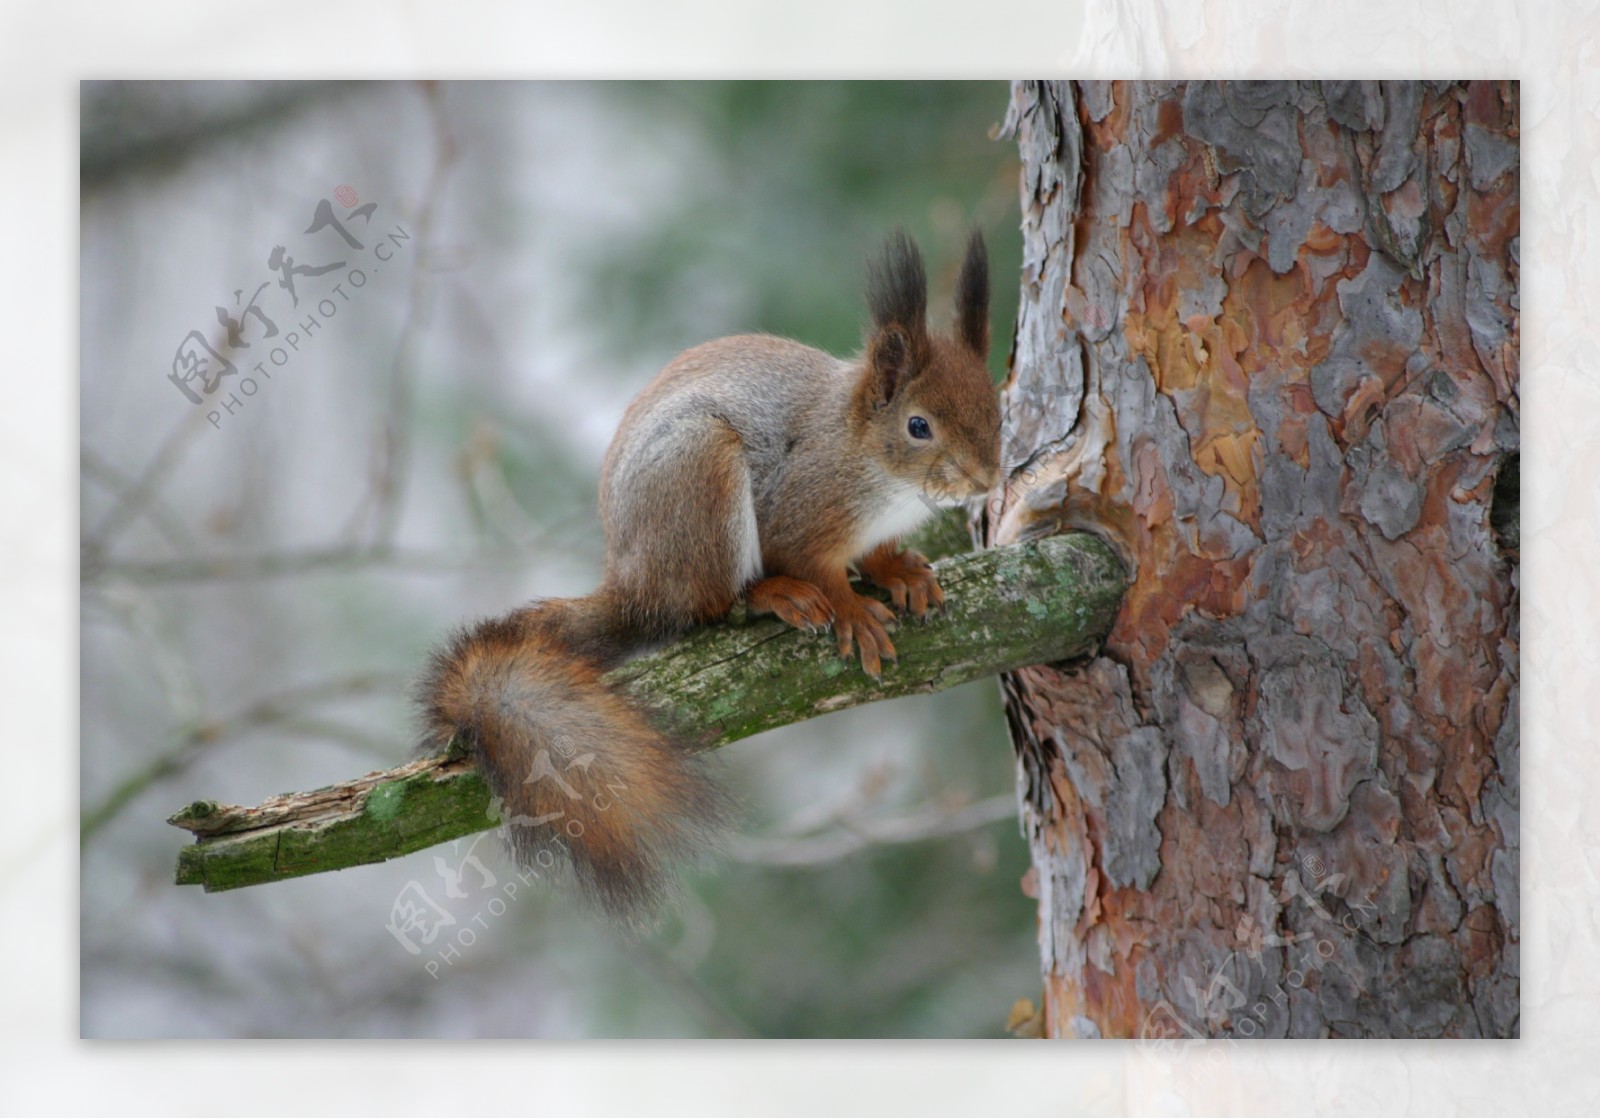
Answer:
(926, 400)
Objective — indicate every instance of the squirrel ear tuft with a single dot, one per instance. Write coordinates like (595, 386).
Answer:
(897, 286)
(972, 297)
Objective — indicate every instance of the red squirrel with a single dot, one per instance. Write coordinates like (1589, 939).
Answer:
(751, 467)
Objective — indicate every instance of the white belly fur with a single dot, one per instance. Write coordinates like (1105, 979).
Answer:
(747, 535)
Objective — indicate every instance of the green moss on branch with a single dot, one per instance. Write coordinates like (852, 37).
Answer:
(1034, 603)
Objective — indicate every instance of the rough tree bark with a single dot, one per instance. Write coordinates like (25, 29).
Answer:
(1268, 348)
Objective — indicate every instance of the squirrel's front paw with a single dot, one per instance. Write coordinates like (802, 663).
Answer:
(861, 622)
(907, 577)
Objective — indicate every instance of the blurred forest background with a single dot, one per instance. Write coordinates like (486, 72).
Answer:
(260, 585)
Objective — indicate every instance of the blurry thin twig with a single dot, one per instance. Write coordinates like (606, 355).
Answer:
(308, 561)
(393, 452)
(489, 491)
(577, 526)
(165, 520)
(379, 746)
(133, 499)
(930, 822)
(175, 670)
(857, 801)
(200, 736)
(126, 141)
(385, 494)
(660, 964)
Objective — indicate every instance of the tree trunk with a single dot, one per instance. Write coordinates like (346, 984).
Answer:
(1268, 348)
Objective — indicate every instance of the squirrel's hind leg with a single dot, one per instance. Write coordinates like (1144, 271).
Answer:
(795, 601)
(680, 519)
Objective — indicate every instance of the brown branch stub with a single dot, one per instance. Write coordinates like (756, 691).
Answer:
(1044, 601)
(208, 818)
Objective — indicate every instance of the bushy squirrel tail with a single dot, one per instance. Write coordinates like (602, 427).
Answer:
(583, 776)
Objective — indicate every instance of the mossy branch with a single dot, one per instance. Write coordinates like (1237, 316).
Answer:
(1034, 603)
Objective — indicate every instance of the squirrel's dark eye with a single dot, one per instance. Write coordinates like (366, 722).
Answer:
(919, 429)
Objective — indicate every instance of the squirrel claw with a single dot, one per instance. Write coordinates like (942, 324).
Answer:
(907, 576)
(861, 626)
(794, 601)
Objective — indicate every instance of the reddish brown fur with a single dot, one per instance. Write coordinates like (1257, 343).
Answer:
(609, 796)
(749, 466)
